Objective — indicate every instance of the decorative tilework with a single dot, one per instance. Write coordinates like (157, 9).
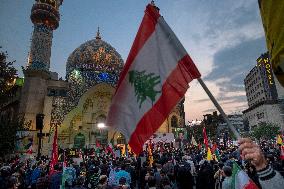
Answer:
(92, 63)
(40, 48)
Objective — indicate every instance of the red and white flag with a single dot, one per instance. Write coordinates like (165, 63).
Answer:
(54, 156)
(154, 79)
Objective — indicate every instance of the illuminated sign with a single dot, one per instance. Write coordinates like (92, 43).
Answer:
(264, 61)
(267, 74)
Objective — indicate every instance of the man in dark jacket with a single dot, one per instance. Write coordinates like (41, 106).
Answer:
(205, 177)
(56, 177)
(184, 177)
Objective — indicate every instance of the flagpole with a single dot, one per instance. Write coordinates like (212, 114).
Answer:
(219, 108)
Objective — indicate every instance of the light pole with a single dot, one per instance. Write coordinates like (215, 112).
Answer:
(39, 126)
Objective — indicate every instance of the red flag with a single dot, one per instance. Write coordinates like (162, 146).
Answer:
(205, 139)
(214, 147)
(54, 156)
(199, 146)
(98, 145)
(282, 152)
(109, 149)
(64, 160)
(154, 79)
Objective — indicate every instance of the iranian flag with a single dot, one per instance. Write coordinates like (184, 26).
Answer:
(29, 146)
(240, 180)
(154, 79)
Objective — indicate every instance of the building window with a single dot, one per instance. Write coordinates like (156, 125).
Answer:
(79, 141)
(51, 92)
(57, 92)
(260, 115)
(120, 139)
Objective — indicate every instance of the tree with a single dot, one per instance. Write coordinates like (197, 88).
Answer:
(8, 138)
(8, 128)
(265, 131)
(197, 131)
(7, 73)
(144, 85)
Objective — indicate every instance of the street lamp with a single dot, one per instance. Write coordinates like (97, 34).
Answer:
(101, 125)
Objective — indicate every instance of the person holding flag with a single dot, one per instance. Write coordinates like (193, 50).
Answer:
(268, 177)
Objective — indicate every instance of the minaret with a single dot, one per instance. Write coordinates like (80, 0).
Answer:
(45, 17)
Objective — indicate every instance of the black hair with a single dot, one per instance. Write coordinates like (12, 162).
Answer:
(227, 171)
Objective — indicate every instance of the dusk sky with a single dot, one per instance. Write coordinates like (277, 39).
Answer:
(223, 37)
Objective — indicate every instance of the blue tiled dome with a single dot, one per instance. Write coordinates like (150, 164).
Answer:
(95, 55)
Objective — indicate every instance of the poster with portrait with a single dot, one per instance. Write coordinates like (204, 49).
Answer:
(25, 142)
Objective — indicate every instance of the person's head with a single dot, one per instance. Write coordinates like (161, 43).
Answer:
(227, 171)
(42, 174)
(12, 183)
(5, 171)
(95, 169)
(220, 165)
(80, 181)
(159, 167)
(122, 181)
(56, 167)
(39, 163)
(123, 166)
(103, 179)
(162, 173)
(165, 181)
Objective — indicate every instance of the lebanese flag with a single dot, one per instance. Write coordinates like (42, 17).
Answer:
(54, 156)
(240, 180)
(154, 79)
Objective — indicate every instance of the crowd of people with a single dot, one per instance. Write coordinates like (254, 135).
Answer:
(171, 168)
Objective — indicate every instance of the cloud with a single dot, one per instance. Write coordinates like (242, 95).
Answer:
(209, 110)
(231, 98)
(224, 39)
(202, 100)
(234, 63)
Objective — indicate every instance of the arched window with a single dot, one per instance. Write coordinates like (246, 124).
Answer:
(120, 139)
(174, 121)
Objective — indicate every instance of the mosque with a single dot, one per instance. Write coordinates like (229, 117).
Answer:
(79, 103)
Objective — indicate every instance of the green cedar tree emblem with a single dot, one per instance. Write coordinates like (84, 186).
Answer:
(144, 85)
